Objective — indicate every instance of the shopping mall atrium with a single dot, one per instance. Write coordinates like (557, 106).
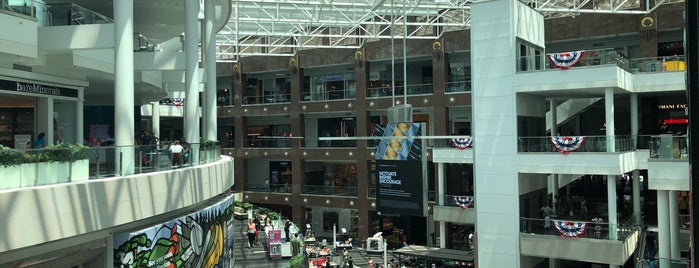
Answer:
(474, 133)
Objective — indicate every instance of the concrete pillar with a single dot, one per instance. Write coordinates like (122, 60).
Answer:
(663, 228)
(210, 68)
(44, 119)
(611, 206)
(636, 194)
(191, 79)
(553, 104)
(440, 201)
(609, 118)
(124, 125)
(674, 210)
(155, 119)
(634, 118)
(554, 263)
(442, 234)
(79, 118)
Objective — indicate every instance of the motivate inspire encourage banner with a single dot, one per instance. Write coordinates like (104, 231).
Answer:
(400, 170)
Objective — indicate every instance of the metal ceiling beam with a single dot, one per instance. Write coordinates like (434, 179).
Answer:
(282, 27)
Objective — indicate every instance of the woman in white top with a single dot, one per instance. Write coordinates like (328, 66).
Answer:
(176, 153)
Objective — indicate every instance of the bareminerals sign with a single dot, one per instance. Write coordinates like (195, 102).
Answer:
(39, 89)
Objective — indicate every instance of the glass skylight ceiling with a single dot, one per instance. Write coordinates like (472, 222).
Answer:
(282, 27)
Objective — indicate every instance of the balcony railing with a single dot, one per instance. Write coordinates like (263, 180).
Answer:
(268, 142)
(143, 43)
(264, 99)
(459, 86)
(328, 94)
(24, 7)
(63, 165)
(461, 201)
(592, 230)
(596, 144)
(72, 14)
(387, 91)
(669, 147)
(589, 58)
(273, 188)
(657, 64)
(329, 190)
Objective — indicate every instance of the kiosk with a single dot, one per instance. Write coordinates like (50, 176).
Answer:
(375, 244)
(274, 243)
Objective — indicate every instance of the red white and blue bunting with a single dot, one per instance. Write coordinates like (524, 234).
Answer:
(462, 143)
(570, 229)
(172, 101)
(463, 201)
(565, 60)
(567, 144)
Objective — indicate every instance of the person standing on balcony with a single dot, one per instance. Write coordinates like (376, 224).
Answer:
(40, 141)
(176, 153)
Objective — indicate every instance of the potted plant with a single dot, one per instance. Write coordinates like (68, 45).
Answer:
(61, 163)
(10, 170)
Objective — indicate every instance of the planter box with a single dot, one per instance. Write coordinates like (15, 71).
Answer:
(47, 173)
(28, 175)
(80, 170)
(10, 177)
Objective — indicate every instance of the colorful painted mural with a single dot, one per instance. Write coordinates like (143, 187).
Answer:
(200, 239)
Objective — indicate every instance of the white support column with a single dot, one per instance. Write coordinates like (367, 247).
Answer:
(155, 119)
(44, 119)
(440, 201)
(674, 211)
(440, 184)
(553, 111)
(663, 228)
(553, 263)
(636, 193)
(191, 102)
(124, 129)
(634, 118)
(553, 104)
(609, 118)
(79, 117)
(611, 206)
(210, 71)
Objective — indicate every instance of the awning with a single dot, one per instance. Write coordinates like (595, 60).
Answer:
(435, 253)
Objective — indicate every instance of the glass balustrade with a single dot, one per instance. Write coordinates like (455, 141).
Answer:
(72, 14)
(669, 147)
(586, 144)
(657, 64)
(590, 58)
(70, 163)
(575, 228)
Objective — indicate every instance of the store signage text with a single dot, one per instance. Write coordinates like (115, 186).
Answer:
(672, 106)
(39, 89)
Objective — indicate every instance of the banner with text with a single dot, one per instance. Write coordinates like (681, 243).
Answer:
(400, 170)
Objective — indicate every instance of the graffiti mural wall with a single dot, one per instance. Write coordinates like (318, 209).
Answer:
(200, 239)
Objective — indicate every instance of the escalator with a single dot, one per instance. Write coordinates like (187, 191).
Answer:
(568, 110)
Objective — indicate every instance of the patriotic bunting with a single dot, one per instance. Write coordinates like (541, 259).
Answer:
(565, 144)
(462, 143)
(463, 201)
(565, 60)
(570, 229)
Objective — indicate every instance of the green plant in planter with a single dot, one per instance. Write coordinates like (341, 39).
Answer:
(297, 262)
(10, 157)
(208, 144)
(246, 206)
(66, 152)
